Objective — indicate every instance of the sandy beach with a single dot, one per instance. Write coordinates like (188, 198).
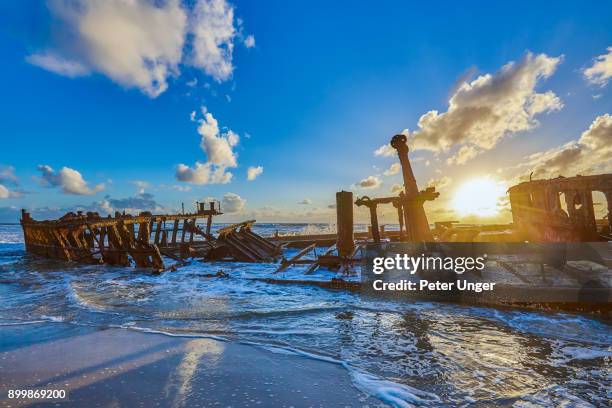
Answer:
(119, 367)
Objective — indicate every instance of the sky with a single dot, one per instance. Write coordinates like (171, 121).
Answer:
(271, 107)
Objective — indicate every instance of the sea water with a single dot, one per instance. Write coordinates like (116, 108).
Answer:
(405, 353)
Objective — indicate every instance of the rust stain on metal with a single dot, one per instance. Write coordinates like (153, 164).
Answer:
(143, 240)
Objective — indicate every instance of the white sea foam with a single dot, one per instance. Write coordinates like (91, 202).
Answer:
(55, 319)
(583, 353)
(24, 322)
(395, 394)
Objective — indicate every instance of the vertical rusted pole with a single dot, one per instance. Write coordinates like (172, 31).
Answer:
(158, 230)
(164, 238)
(175, 231)
(184, 230)
(417, 226)
(344, 223)
(193, 224)
(209, 220)
(374, 221)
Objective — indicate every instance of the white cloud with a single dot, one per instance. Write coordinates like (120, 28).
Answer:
(396, 188)
(140, 43)
(134, 205)
(140, 186)
(306, 201)
(232, 203)
(212, 26)
(54, 63)
(70, 180)
(369, 182)
(482, 112)
(218, 148)
(203, 173)
(394, 169)
(4, 192)
(463, 155)
(249, 42)
(7, 175)
(601, 71)
(440, 183)
(590, 154)
(385, 151)
(253, 172)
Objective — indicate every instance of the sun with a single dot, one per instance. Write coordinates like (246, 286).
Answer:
(479, 197)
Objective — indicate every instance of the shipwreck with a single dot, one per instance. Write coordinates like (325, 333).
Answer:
(144, 240)
(558, 212)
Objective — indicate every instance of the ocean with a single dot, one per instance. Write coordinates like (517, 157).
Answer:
(404, 353)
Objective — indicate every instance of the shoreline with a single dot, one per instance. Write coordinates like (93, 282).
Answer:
(122, 367)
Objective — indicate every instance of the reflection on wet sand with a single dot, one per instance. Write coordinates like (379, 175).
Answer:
(201, 354)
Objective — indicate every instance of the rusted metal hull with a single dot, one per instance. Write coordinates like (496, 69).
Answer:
(143, 240)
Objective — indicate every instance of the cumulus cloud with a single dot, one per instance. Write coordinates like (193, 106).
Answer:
(212, 26)
(218, 147)
(394, 169)
(385, 151)
(202, 173)
(4, 192)
(232, 203)
(306, 201)
(136, 204)
(369, 182)
(56, 64)
(70, 180)
(482, 112)
(7, 175)
(463, 155)
(249, 41)
(600, 72)
(396, 188)
(140, 186)
(253, 172)
(440, 183)
(140, 43)
(589, 154)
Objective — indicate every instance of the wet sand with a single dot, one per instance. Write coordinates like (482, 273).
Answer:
(125, 368)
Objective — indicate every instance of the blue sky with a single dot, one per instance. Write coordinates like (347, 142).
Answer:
(313, 90)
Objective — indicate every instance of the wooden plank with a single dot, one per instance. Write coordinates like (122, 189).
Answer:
(191, 230)
(157, 232)
(316, 265)
(234, 227)
(286, 264)
(175, 231)
(184, 230)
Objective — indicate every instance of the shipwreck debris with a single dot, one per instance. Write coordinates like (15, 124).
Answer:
(143, 240)
(561, 209)
(413, 224)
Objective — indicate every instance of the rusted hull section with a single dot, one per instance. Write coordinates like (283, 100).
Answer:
(144, 240)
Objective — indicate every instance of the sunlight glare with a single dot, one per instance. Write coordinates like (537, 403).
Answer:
(479, 197)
